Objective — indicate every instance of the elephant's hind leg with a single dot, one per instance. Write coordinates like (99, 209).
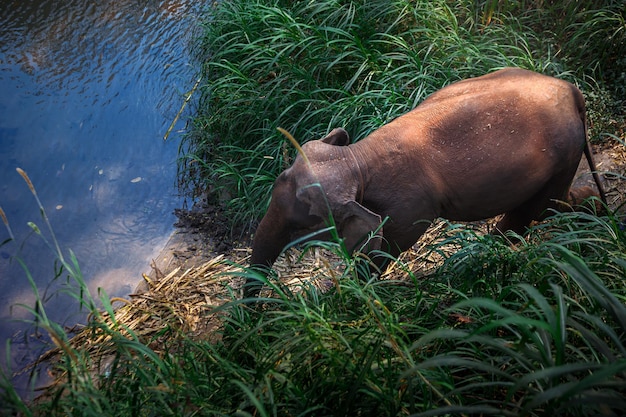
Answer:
(536, 208)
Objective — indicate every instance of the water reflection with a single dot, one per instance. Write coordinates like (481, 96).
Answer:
(87, 90)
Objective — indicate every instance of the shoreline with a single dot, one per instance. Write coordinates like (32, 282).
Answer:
(200, 235)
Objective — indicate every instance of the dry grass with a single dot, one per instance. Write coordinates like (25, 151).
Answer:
(616, 177)
(183, 301)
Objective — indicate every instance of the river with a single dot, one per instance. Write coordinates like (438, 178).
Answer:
(88, 89)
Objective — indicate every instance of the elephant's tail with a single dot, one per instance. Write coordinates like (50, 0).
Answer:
(592, 166)
(594, 171)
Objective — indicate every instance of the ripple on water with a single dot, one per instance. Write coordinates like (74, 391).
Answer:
(87, 90)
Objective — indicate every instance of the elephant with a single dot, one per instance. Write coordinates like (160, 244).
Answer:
(580, 199)
(508, 142)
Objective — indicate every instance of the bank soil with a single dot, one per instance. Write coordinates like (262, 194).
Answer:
(200, 269)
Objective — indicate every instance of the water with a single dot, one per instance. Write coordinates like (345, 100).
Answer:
(87, 91)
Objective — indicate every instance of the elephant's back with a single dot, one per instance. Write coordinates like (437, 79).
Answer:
(502, 82)
(485, 134)
(510, 107)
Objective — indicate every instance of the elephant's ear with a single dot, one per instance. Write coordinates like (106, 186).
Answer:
(337, 137)
(355, 224)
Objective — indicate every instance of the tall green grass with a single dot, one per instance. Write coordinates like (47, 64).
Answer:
(588, 36)
(530, 329)
(309, 67)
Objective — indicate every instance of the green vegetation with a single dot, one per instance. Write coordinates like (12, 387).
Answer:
(527, 330)
(532, 329)
(311, 66)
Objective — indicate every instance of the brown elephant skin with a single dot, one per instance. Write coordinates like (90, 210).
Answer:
(580, 199)
(505, 143)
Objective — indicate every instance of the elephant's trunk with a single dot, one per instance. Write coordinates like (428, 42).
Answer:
(269, 240)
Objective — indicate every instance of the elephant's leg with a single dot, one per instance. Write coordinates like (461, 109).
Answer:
(369, 264)
(579, 199)
(515, 221)
(375, 262)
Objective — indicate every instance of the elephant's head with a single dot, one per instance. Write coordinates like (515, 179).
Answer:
(320, 189)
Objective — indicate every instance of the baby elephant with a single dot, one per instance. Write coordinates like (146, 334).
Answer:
(507, 142)
(579, 199)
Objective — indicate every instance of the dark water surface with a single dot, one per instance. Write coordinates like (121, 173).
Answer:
(87, 91)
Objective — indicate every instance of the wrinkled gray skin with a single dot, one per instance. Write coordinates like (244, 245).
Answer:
(508, 142)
